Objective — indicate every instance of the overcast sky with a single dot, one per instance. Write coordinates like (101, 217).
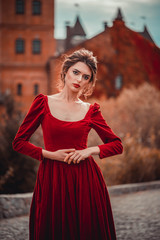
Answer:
(94, 12)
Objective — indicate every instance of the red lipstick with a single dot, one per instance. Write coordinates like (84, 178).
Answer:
(76, 85)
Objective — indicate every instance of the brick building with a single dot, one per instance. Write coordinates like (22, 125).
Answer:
(28, 56)
(26, 44)
(125, 58)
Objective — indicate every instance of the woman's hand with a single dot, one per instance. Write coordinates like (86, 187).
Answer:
(58, 155)
(70, 154)
(78, 155)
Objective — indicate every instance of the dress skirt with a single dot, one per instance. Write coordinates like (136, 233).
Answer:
(71, 202)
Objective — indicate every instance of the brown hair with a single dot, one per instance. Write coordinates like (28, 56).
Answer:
(81, 55)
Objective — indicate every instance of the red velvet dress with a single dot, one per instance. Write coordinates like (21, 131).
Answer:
(70, 201)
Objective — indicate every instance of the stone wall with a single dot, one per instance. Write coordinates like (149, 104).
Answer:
(12, 205)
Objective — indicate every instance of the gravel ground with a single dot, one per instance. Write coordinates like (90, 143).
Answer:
(136, 216)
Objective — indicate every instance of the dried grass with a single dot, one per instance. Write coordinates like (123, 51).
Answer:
(135, 117)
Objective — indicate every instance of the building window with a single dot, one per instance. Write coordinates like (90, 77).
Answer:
(36, 7)
(19, 89)
(19, 45)
(36, 46)
(36, 89)
(118, 82)
(19, 6)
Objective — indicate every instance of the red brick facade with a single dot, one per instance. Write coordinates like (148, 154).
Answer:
(27, 69)
(125, 58)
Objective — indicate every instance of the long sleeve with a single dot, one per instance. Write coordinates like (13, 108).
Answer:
(112, 143)
(30, 123)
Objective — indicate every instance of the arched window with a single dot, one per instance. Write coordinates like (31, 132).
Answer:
(19, 89)
(20, 45)
(36, 89)
(36, 7)
(36, 46)
(19, 6)
(118, 82)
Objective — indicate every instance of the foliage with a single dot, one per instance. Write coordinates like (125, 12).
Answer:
(136, 164)
(17, 171)
(135, 117)
(140, 164)
(136, 112)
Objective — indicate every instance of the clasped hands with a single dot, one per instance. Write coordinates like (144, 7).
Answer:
(71, 154)
(76, 156)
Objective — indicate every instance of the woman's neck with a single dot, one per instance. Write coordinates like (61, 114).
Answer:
(69, 96)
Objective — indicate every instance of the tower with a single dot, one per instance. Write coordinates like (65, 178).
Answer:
(75, 34)
(26, 44)
(118, 20)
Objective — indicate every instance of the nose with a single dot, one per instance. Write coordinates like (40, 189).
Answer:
(79, 78)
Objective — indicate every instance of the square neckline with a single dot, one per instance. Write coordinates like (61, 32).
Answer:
(49, 111)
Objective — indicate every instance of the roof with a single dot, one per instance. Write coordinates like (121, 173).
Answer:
(146, 34)
(119, 15)
(77, 29)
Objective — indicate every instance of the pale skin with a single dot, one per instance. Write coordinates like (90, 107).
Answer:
(65, 104)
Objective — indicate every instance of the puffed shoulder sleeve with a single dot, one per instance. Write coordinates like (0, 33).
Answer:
(112, 143)
(30, 123)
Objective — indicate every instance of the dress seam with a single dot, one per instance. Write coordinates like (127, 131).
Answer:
(86, 132)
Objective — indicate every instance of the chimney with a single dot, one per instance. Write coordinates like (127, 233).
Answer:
(105, 24)
(67, 24)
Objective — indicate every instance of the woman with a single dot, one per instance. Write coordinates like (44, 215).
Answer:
(70, 199)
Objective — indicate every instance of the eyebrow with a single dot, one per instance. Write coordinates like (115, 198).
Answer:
(80, 71)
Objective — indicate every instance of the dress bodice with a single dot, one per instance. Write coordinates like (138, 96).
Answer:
(59, 134)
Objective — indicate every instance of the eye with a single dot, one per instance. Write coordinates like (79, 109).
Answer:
(75, 72)
(86, 77)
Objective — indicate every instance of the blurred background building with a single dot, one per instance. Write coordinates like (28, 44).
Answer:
(26, 44)
(30, 57)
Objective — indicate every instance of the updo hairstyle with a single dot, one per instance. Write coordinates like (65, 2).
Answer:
(81, 55)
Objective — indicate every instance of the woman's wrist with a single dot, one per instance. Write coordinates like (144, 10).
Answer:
(94, 150)
(47, 154)
(51, 155)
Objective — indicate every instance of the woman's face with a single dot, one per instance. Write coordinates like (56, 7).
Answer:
(78, 76)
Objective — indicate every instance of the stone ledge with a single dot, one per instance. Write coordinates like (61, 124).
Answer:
(13, 205)
(133, 187)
